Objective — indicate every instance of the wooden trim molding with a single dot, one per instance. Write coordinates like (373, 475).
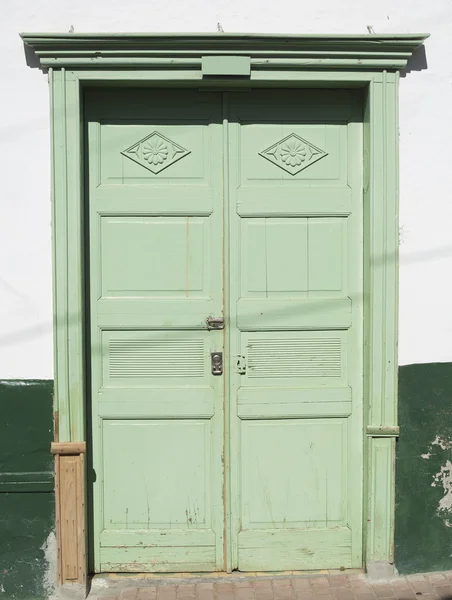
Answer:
(383, 430)
(371, 62)
(173, 51)
(68, 448)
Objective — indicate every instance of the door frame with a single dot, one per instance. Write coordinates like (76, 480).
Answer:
(227, 61)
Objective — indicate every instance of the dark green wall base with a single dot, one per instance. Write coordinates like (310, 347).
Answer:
(27, 505)
(27, 555)
(423, 517)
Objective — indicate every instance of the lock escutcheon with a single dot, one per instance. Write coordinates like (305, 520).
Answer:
(216, 359)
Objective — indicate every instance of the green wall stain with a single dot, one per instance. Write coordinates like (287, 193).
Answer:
(27, 505)
(423, 531)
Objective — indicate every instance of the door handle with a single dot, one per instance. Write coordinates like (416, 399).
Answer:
(215, 323)
(216, 359)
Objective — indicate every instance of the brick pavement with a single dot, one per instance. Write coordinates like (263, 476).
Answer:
(356, 586)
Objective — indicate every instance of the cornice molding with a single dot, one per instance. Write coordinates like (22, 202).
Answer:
(186, 51)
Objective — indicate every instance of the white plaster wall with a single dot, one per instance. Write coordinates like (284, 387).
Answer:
(426, 157)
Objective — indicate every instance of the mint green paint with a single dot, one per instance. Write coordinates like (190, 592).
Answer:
(68, 275)
(311, 52)
(341, 61)
(296, 464)
(381, 307)
(238, 66)
(156, 205)
(155, 212)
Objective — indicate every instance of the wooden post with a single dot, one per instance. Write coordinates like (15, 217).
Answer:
(70, 511)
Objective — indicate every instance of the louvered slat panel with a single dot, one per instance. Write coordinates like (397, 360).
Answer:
(156, 358)
(296, 357)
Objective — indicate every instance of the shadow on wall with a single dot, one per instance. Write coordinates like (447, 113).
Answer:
(423, 516)
(417, 62)
(30, 58)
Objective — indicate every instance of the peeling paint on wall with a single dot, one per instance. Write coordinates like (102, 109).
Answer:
(49, 549)
(423, 518)
(442, 443)
(438, 441)
(444, 477)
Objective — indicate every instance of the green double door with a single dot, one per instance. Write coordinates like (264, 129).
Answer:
(226, 329)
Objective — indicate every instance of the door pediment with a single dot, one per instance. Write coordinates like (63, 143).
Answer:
(189, 51)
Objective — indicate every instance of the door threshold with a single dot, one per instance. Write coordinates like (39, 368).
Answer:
(109, 578)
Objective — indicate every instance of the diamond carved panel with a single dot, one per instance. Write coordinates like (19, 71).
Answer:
(155, 152)
(293, 154)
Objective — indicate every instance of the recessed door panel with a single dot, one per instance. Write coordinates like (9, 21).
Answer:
(292, 473)
(131, 251)
(135, 461)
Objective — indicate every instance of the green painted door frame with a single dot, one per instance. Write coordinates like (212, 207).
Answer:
(231, 61)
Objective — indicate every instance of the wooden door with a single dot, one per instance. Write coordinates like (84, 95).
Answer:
(296, 297)
(275, 224)
(156, 254)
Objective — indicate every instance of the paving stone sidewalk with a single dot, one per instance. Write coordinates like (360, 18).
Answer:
(431, 586)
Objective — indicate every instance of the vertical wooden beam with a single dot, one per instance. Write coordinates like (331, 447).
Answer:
(68, 291)
(57, 518)
(68, 248)
(381, 196)
(70, 511)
